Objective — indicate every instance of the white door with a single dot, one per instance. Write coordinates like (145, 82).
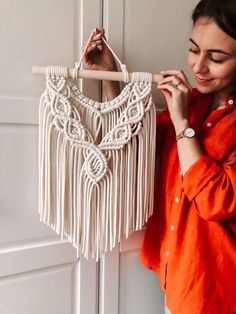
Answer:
(39, 273)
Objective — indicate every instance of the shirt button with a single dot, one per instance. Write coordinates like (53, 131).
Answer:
(209, 124)
(172, 228)
(177, 200)
(167, 253)
(231, 102)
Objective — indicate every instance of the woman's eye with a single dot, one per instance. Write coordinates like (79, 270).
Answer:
(213, 59)
(216, 60)
(193, 50)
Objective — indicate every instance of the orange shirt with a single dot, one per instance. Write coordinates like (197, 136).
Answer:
(190, 240)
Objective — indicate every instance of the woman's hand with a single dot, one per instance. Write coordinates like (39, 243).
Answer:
(98, 56)
(176, 89)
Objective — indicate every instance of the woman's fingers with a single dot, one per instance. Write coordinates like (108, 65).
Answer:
(171, 79)
(95, 41)
(92, 45)
(179, 74)
(97, 55)
(176, 89)
(178, 82)
(173, 88)
(100, 30)
(97, 37)
(168, 86)
(173, 83)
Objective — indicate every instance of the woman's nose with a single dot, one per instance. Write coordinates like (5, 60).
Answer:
(200, 65)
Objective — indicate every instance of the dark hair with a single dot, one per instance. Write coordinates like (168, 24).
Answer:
(222, 11)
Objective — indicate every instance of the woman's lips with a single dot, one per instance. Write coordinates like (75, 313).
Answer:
(202, 81)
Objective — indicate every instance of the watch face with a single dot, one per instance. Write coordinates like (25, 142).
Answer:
(189, 132)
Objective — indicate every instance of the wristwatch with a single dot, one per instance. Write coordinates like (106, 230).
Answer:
(188, 132)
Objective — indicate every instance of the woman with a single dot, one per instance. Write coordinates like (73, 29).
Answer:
(190, 240)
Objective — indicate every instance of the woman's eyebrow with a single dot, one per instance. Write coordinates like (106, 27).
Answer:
(211, 50)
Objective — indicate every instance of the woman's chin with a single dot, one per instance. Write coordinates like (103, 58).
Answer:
(204, 89)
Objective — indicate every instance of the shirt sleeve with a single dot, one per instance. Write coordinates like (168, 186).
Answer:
(212, 187)
(162, 124)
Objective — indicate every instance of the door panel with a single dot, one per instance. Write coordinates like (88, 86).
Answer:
(37, 292)
(39, 273)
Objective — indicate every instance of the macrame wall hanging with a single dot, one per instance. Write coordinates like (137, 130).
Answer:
(96, 161)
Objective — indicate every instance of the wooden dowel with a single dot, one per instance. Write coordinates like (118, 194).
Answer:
(97, 75)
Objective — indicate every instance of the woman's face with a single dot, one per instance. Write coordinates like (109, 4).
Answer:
(212, 57)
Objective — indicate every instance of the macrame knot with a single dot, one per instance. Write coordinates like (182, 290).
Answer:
(142, 77)
(57, 72)
(125, 72)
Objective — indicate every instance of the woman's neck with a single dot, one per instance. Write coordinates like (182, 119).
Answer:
(219, 100)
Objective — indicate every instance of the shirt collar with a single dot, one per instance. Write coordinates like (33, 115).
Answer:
(230, 101)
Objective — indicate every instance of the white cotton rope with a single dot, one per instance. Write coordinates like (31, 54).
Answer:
(79, 64)
(96, 162)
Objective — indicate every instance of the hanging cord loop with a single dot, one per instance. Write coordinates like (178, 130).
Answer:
(79, 64)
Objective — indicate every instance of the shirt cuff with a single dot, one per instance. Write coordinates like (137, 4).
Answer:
(198, 176)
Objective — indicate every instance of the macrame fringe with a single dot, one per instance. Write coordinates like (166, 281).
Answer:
(94, 214)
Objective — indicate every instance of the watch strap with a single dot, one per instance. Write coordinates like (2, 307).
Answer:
(179, 136)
